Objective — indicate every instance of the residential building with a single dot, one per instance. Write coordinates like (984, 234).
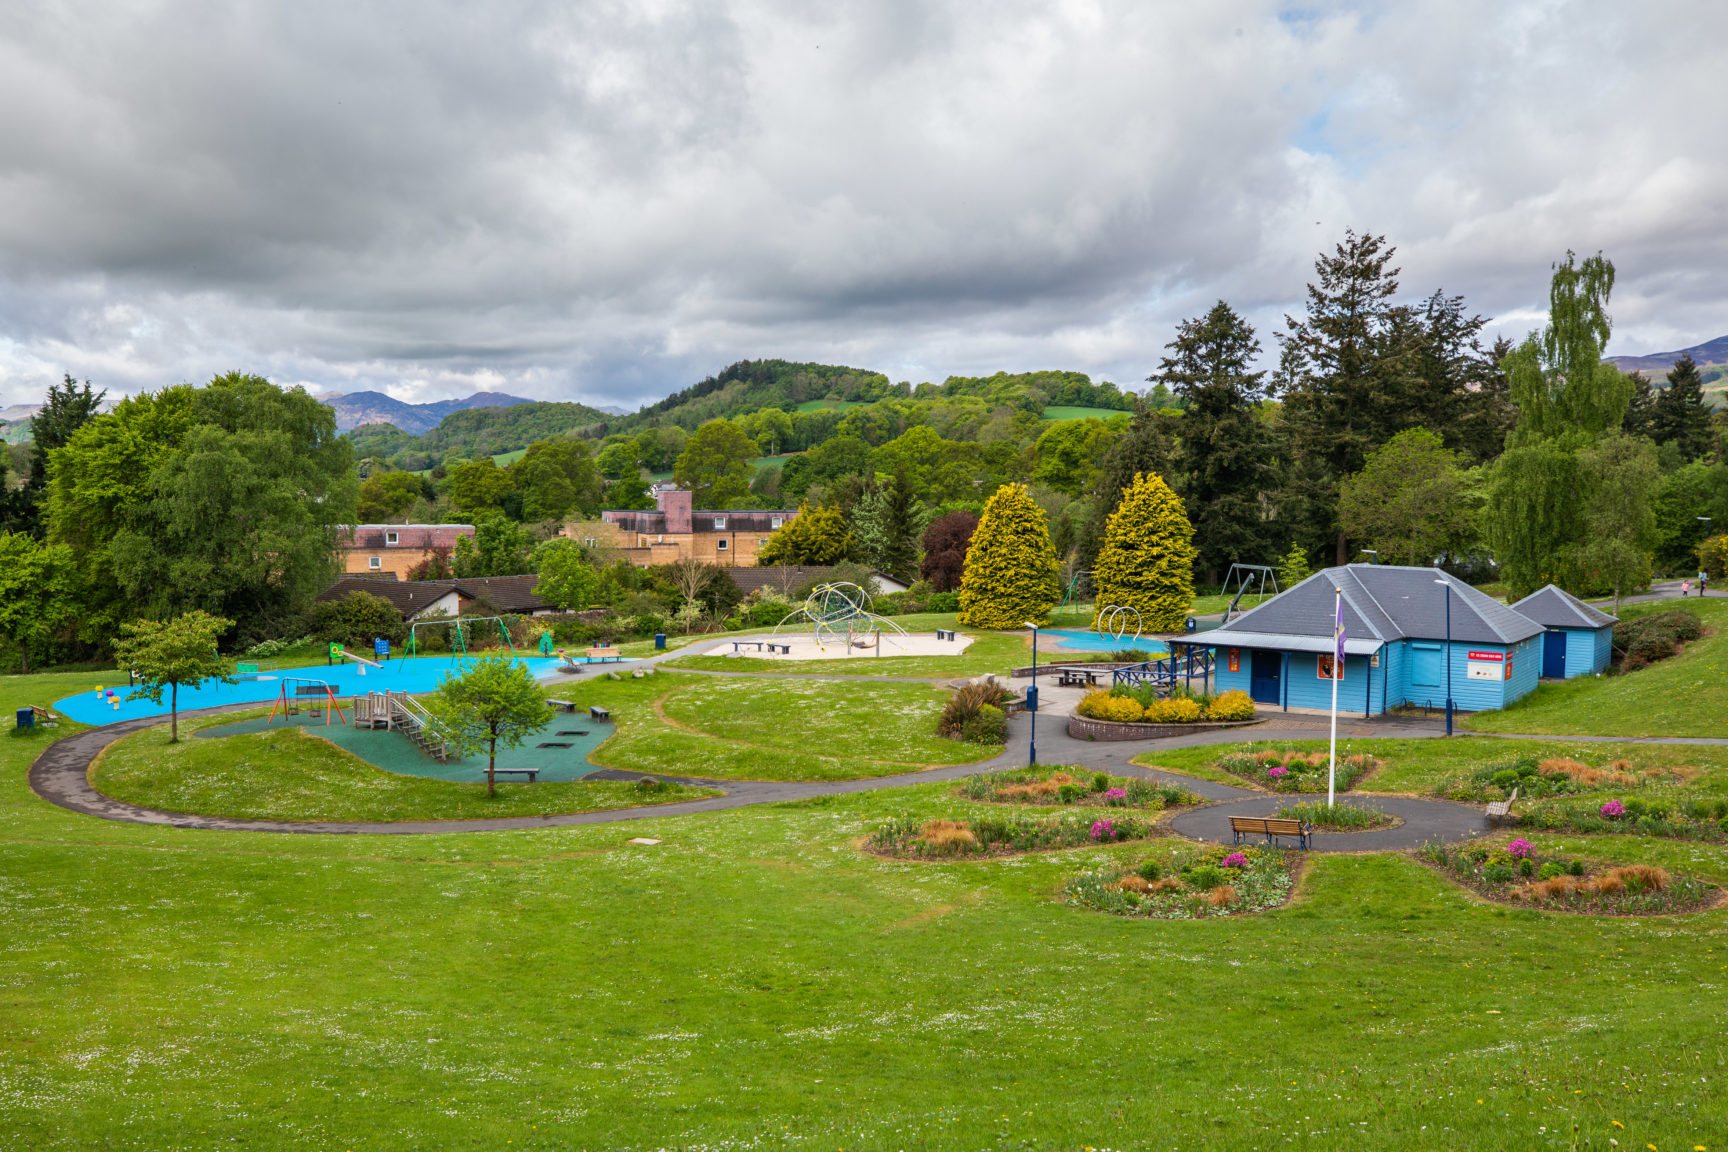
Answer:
(395, 549)
(674, 530)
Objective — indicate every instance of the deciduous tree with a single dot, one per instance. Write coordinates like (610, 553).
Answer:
(567, 580)
(715, 465)
(815, 536)
(1409, 501)
(496, 701)
(38, 600)
(167, 654)
(946, 541)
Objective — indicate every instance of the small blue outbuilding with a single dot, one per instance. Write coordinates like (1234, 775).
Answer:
(1396, 647)
(1577, 641)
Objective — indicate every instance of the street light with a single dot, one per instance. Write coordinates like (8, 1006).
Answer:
(1369, 552)
(1446, 584)
(1032, 697)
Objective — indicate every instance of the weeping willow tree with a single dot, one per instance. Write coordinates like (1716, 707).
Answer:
(1538, 516)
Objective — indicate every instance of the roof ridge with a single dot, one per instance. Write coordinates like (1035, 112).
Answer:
(1381, 608)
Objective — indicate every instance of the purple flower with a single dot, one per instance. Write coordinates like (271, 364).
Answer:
(1521, 849)
(1111, 795)
(1613, 809)
(1278, 772)
(1104, 830)
(1235, 860)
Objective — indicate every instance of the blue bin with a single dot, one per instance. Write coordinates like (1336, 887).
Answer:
(1032, 698)
(26, 718)
(660, 640)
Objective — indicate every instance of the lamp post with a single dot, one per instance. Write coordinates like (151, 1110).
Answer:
(1448, 594)
(1369, 552)
(1032, 697)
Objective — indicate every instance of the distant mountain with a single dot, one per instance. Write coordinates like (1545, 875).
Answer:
(611, 409)
(356, 408)
(472, 433)
(1654, 365)
(18, 412)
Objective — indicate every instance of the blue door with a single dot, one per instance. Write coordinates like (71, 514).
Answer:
(1554, 654)
(1263, 677)
(1424, 666)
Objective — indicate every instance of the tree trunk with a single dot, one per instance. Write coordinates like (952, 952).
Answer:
(1343, 557)
(174, 713)
(24, 655)
(491, 762)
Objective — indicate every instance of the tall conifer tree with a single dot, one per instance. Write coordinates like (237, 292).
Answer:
(1679, 415)
(1011, 573)
(1147, 562)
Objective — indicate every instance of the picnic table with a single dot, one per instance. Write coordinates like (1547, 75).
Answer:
(1077, 677)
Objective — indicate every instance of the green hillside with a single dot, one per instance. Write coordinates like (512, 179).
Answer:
(1074, 412)
(472, 433)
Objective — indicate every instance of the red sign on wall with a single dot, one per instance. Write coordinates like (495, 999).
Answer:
(1235, 659)
(1488, 656)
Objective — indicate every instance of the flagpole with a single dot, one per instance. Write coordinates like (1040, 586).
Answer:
(1337, 668)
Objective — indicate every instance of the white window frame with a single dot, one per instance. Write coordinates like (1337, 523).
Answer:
(374, 562)
(719, 523)
(720, 546)
(390, 537)
(774, 522)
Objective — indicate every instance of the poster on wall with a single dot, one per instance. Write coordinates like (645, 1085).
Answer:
(1323, 667)
(1485, 666)
(1235, 659)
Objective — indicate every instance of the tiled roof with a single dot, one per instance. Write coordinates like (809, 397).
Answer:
(508, 593)
(419, 537)
(1382, 602)
(1554, 607)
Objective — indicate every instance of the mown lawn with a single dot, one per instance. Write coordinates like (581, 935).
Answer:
(293, 774)
(1686, 695)
(989, 652)
(756, 981)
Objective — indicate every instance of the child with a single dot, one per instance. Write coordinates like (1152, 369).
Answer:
(1685, 587)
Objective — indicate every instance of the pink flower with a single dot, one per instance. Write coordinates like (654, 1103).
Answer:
(1278, 772)
(1104, 830)
(1236, 860)
(1613, 809)
(1521, 849)
(1115, 794)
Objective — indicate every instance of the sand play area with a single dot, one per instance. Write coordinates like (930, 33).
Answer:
(865, 646)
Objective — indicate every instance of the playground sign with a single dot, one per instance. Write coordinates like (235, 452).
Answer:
(381, 647)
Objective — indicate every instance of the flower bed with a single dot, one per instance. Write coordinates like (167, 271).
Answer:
(1142, 705)
(1000, 836)
(1218, 881)
(1631, 815)
(1556, 776)
(1519, 874)
(1338, 817)
(1072, 785)
(1289, 770)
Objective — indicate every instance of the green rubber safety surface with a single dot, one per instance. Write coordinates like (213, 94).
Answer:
(576, 736)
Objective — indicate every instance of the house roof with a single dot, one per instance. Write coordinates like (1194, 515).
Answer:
(1554, 607)
(508, 593)
(420, 537)
(1382, 603)
(783, 578)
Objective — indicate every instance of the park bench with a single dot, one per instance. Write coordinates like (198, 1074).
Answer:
(785, 649)
(560, 705)
(603, 654)
(598, 713)
(1501, 809)
(1271, 828)
(945, 634)
(1076, 678)
(740, 645)
(531, 773)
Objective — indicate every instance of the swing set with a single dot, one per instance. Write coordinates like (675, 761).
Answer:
(458, 637)
(317, 696)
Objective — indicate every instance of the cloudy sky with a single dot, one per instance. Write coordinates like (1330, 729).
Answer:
(607, 201)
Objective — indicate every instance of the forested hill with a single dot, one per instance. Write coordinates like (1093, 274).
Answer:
(472, 433)
(751, 385)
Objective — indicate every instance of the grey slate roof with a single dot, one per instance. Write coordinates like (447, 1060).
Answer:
(1554, 607)
(1382, 603)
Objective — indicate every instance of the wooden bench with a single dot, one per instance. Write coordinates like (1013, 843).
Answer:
(1269, 827)
(560, 705)
(602, 655)
(1500, 809)
(531, 773)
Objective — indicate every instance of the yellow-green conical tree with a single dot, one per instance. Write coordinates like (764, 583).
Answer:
(1147, 562)
(1010, 567)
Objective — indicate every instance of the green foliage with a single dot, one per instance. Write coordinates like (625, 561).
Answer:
(567, 580)
(1680, 416)
(1621, 478)
(1410, 501)
(1713, 557)
(499, 547)
(357, 619)
(715, 465)
(388, 495)
(168, 654)
(818, 536)
(885, 528)
(478, 484)
(495, 701)
(1559, 380)
(38, 600)
(1147, 562)
(974, 713)
(472, 433)
(1293, 568)
(1010, 576)
(1069, 454)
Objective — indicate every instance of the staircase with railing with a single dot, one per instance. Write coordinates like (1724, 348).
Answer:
(399, 711)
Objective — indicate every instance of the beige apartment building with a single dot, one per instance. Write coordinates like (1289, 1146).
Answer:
(674, 530)
(392, 550)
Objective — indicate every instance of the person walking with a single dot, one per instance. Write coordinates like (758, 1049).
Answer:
(1685, 588)
(1703, 582)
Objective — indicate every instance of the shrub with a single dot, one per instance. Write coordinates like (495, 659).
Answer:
(1520, 849)
(1121, 709)
(1069, 793)
(1093, 703)
(1232, 705)
(974, 714)
(1550, 870)
(1497, 874)
(1613, 809)
(1150, 871)
(943, 602)
(1205, 877)
(1173, 711)
(1100, 781)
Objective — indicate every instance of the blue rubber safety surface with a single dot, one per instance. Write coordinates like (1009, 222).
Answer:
(1079, 639)
(415, 675)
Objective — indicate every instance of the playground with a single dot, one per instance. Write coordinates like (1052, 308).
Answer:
(809, 646)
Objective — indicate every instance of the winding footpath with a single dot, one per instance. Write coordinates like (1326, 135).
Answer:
(60, 775)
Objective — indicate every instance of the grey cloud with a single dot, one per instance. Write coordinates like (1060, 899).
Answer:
(610, 200)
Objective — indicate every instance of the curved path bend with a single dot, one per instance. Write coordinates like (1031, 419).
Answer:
(60, 775)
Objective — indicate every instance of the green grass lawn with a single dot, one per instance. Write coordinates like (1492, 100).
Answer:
(989, 652)
(756, 980)
(293, 774)
(1076, 412)
(1686, 695)
(827, 405)
(1212, 605)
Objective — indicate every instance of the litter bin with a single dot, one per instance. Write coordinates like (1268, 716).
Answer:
(26, 718)
(660, 640)
(1032, 698)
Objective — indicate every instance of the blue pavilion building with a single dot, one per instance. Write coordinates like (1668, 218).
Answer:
(1577, 640)
(1396, 647)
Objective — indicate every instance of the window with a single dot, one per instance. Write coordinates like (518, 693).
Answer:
(389, 537)
(720, 546)
(374, 562)
(1425, 665)
(719, 523)
(774, 522)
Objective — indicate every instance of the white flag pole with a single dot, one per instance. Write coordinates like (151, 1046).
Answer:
(1337, 671)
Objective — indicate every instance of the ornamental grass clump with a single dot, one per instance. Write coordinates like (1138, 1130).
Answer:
(1337, 817)
(1294, 770)
(1537, 779)
(974, 713)
(996, 836)
(1688, 819)
(1065, 786)
(1197, 884)
(1520, 874)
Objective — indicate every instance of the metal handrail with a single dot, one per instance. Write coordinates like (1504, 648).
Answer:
(413, 715)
